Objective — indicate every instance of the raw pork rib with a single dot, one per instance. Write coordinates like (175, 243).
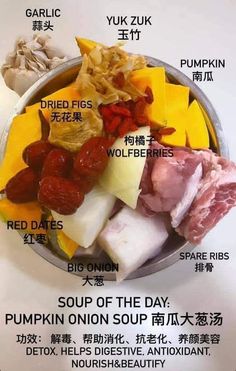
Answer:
(215, 197)
(165, 180)
(182, 207)
(197, 188)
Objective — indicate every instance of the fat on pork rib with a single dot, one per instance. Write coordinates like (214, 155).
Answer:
(216, 196)
(165, 180)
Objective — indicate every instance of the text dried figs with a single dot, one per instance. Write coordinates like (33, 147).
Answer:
(35, 153)
(23, 187)
(60, 194)
(58, 163)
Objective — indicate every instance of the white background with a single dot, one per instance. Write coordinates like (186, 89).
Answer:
(181, 29)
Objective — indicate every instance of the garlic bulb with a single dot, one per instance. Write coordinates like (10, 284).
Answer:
(29, 61)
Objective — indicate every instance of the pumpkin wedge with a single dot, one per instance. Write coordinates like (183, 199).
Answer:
(28, 212)
(196, 128)
(25, 129)
(86, 45)
(153, 77)
(66, 244)
(177, 101)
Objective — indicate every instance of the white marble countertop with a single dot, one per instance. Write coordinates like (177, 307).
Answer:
(181, 29)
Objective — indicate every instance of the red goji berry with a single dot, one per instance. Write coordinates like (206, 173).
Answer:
(131, 105)
(123, 111)
(133, 127)
(139, 107)
(124, 127)
(119, 80)
(166, 131)
(157, 136)
(106, 112)
(122, 104)
(142, 120)
(149, 95)
(112, 126)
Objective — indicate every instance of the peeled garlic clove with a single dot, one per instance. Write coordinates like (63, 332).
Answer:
(32, 45)
(40, 56)
(34, 66)
(41, 39)
(24, 80)
(10, 58)
(9, 76)
(22, 63)
(56, 62)
(19, 61)
(20, 80)
(52, 50)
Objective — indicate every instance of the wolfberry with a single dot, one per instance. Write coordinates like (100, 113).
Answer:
(116, 115)
(106, 125)
(133, 127)
(166, 131)
(131, 105)
(142, 120)
(60, 194)
(154, 125)
(149, 95)
(35, 153)
(122, 104)
(58, 163)
(106, 112)
(157, 136)
(139, 107)
(113, 124)
(119, 80)
(124, 128)
(92, 157)
(123, 111)
(23, 187)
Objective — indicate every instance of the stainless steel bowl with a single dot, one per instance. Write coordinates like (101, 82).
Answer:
(61, 77)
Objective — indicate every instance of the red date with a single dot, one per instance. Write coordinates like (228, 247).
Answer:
(57, 163)
(35, 153)
(92, 158)
(60, 194)
(85, 184)
(23, 187)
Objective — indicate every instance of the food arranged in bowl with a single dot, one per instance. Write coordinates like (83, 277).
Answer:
(118, 161)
